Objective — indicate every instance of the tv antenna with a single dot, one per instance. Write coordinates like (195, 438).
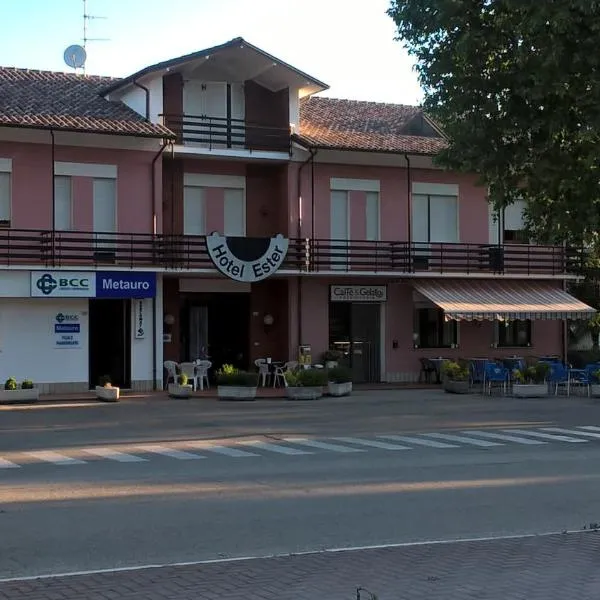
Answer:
(86, 19)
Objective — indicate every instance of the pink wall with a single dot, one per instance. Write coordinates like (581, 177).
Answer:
(32, 185)
(473, 208)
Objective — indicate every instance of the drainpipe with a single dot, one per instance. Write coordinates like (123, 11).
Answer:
(147, 92)
(409, 209)
(52, 153)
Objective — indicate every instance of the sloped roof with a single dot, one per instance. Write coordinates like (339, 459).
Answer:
(369, 126)
(67, 101)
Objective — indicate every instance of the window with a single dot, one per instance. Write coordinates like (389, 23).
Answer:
(513, 333)
(194, 210)
(435, 218)
(372, 216)
(433, 331)
(62, 203)
(234, 218)
(5, 198)
(105, 205)
(514, 224)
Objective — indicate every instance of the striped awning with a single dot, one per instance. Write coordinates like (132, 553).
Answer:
(477, 300)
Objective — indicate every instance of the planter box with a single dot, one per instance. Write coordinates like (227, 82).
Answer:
(19, 396)
(303, 393)
(339, 389)
(456, 387)
(107, 394)
(595, 390)
(236, 392)
(530, 390)
(179, 391)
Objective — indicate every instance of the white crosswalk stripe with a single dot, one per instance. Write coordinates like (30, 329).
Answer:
(462, 439)
(589, 427)
(7, 464)
(505, 437)
(418, 441)
(546, 436)
(371, 443)
(322, 445)
(274, 448)
(54, 457)
(170, 452)
(218, 449)
(111, 454)
(591, 434)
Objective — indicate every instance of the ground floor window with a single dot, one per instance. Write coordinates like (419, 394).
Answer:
(514, 334)
(433, 331)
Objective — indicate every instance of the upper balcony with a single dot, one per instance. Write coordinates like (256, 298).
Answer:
(319, 257)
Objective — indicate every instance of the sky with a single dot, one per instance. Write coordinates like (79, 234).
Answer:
(348, 44)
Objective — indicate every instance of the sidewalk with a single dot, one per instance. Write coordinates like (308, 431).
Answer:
(552, 567)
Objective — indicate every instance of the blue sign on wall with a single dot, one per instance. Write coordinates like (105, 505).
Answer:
(125, 284)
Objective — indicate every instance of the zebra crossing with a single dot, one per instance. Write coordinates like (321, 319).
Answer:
(295, 446)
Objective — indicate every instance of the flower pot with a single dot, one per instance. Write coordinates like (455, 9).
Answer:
(179, 391)
(19, 396)
(530, 390)
(595, 390)
(236, 392)
(339, 389)
(303, 393)
(456, 387)
(107, 394)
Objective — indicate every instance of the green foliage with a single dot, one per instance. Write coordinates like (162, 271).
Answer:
(515, 87)
(580, 358)
(229, 375)
(454, 371)
(331, 356)
(10, 384)
(27, 384)
(182, 379)
(339, 375)
(307, 378)
(537, 373)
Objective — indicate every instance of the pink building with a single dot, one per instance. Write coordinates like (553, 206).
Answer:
(333, 228)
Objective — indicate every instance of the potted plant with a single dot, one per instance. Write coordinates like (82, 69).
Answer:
(531, 381)
(339, 381)
(13, 394)
(105, 391)
(306, 384)
(330, 358)
(233, 384)
(455, 377)
(181, 388)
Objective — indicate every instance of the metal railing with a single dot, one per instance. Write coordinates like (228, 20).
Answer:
(174, 251)
(221, 132)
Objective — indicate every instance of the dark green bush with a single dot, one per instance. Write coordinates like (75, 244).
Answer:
(27, 384)
(307, 378)
(10, 384)
(339, 375)
(237, 378)
(182, 379)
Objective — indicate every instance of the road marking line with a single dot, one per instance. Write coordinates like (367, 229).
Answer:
(418, 441)
(547, 436)
(589, 427)
(462, 439)
(226, 450)
(322, 445)
(6, 464)
(55, 458)
(506, 438)
(274, 448)
(111, 454)
(170, 452)
(571, 432)
(371, 443)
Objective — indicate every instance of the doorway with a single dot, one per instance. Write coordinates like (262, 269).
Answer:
(216, 327)
(110, 341)
(354, 330)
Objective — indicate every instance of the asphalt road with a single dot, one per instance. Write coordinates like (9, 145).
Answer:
(104, 514)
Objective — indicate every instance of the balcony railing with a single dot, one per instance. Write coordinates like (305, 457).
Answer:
(220, 132)
(181, 252)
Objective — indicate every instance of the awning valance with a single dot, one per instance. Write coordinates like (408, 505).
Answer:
(464, 300)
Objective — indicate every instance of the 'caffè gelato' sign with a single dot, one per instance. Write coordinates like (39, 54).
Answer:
(246, 259)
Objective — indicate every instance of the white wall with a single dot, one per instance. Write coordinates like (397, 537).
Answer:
(27, 341)
(295, 110)
(135, 98)
(15, 284)
(156, 98)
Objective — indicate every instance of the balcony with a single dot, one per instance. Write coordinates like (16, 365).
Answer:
(178, 252)
(217, 133)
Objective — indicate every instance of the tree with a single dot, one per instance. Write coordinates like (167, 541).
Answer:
(515, 85)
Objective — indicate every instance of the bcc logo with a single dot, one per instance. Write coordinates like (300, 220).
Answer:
(47, 284)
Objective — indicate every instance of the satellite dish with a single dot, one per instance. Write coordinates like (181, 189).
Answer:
(75, 56)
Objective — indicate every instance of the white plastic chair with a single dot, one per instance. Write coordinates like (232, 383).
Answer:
(189, 370)
(202, 367)
(171, 368)
(263, 370)
(280, 372)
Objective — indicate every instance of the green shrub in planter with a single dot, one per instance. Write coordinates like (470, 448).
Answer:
(10, 384)
(182, 379)
(454, 371)
(27, 384)
(339, 375)
(229, 375)
(307, 378)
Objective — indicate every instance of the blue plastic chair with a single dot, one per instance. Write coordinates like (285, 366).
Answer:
(579, 378)
(557, 376)
(495, 373)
